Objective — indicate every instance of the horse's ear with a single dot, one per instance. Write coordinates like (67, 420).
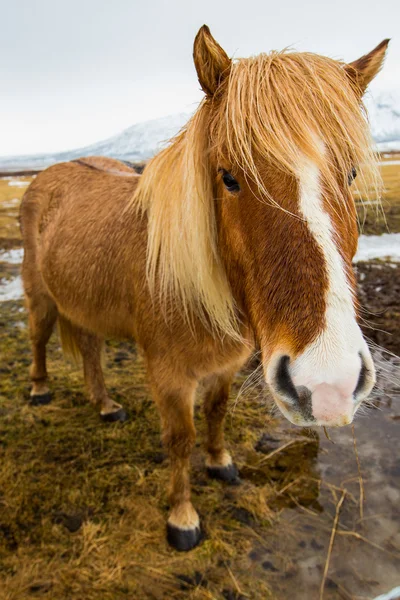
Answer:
(363, 70)
(211, 61)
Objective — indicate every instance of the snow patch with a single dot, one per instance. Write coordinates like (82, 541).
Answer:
(10, 203)
(13, 257)
(385, 246)
(11, 289)
(16, 183)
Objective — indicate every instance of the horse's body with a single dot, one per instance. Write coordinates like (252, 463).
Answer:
(198, 274)
(100, 289)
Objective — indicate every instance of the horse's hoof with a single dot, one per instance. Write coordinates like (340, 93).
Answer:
(113, 417)
(228, 474)
(40, 399)
(183, 539)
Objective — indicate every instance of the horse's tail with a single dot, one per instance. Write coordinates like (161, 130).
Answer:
(68, 339)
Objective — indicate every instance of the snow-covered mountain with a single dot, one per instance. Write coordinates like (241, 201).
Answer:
(384, 116)
(137, 143)
(143, 140)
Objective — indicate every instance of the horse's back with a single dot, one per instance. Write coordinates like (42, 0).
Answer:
(114, 166)
(75, 196)
(104, 178)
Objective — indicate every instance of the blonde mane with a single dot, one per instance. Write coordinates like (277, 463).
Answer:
(269, 108)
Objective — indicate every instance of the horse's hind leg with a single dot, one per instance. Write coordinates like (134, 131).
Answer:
(89, 346)
(175, 403)
(42, 316)
(219, 462)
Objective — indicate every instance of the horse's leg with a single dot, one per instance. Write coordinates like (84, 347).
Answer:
(42, 316)
(90, 346)
(178, 436)
(219, 462)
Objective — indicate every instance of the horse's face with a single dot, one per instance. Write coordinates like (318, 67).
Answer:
(292, 271)
(288, 256)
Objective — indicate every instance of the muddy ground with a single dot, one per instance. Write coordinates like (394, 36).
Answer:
(83, 504)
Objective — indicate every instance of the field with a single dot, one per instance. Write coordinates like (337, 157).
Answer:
(83, 504)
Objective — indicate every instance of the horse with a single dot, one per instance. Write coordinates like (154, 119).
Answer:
(239, 234)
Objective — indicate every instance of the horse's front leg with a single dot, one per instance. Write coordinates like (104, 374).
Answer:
(219, 462)
(178, 436)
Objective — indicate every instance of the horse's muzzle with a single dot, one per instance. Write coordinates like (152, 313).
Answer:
(326, 404)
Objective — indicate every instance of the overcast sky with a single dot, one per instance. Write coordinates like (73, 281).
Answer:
(74, 72)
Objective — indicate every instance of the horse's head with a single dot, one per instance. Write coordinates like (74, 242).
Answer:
(286, 138)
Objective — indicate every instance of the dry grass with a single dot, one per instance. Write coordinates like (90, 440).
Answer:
(332, 539)
(62, 470)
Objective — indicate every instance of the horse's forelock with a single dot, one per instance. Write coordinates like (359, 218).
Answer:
(275, 109)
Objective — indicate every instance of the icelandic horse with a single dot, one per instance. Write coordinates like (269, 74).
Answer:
(240, 233)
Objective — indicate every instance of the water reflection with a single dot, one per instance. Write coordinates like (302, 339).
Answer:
(308, 478)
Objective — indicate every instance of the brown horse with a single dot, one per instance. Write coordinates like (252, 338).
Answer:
(241, 232)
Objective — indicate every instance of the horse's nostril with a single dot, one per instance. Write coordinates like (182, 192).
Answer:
(283, 381)
(362, 379)
(299, 397)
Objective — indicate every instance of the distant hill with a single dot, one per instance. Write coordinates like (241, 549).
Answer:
(141, 141)
(137, 143)
(384, 116)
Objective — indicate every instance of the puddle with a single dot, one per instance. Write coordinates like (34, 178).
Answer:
(309, 477)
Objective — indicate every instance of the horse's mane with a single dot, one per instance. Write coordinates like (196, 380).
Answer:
(275, 107)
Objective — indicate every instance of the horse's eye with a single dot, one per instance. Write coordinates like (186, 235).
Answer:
(352, 175)
(230, 182)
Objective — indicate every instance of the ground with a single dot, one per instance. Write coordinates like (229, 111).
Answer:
(83, 504)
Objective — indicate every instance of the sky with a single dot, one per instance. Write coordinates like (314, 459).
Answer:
(79, 71)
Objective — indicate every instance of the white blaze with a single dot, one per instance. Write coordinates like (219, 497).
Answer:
(334, 357)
